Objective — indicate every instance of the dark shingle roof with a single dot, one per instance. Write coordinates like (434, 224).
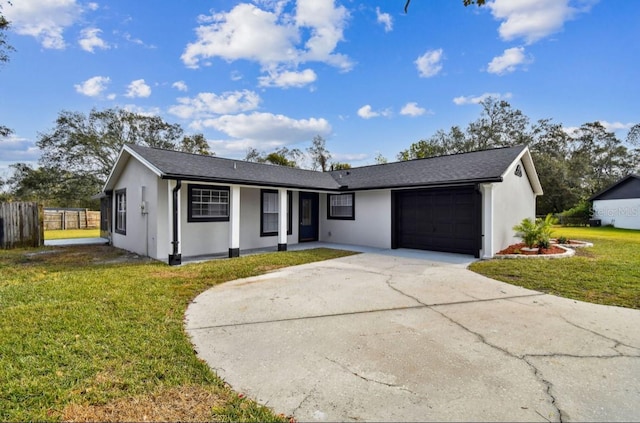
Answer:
(627, 187)
(175, 164)
(479, 166)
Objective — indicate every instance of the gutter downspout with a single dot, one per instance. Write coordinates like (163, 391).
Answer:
(175, 258)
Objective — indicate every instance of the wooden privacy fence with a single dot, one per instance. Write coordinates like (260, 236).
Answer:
(71, 219)
(21, 225)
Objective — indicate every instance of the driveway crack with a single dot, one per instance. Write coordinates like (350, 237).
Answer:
(614, 340)
(367, 379)
(537, 373)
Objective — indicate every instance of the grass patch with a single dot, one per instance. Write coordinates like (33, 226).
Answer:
(608, 273)
(71, 233)
(89, 334)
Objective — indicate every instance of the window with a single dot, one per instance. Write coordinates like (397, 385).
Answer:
(341, 206)
(269, 212)
(121, 211)
(208, 204)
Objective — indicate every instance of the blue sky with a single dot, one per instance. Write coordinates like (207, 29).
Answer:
(364, 75)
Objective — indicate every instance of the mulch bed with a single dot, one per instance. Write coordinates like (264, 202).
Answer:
(517, 249)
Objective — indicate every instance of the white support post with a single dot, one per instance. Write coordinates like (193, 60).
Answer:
(234, 221)
(487, 221)
(283, 210)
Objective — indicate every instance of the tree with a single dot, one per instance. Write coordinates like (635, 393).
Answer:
(196, 144)
(340, 166)
(380, 159)
(283, 156)
(5, 49)
(53, 186)
(320, 156)
(89, 145)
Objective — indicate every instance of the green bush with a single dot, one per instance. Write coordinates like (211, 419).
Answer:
(536, 233)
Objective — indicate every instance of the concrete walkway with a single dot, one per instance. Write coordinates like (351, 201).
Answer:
(388, 338)
(75, 241)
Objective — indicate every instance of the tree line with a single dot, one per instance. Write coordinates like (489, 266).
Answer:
(79, 153)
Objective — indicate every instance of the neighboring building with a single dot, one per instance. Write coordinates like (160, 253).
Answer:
(619, 204)
(163, 203)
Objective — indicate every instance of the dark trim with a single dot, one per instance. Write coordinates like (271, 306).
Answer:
(289, 214)
(282, 247)
(175, 259)
(126, 202)
(234, 252)
(616, 185)
(394, 237)
(353, 207)
(190, 217)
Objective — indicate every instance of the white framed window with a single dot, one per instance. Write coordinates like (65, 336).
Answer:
(270, 211)
(208, 203)
(121, 211)
(341, 206)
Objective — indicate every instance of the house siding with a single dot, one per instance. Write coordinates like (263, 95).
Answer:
(371, 226)
(621, 213)
(513, 200)
(141, 228)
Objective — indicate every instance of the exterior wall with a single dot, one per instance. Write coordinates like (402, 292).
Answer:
(372, 224)
(250, 221)
(162, 240)
(513, 200)
(622, 213)
(141, 227)
(201, 238)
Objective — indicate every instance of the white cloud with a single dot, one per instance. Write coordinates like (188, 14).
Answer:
(18, 149)
(93, 87)
(429, 64)
(615, 126)
(263, 128)
(277, 40)
(288, 79)
(209, 104)
(367, 112)
(90, 39)
(139, 110)
(533, 20)
(44, 20)
(385, 19)
(412, 109)
(511, 58)
(180, 86)
(138, 88)
(462, 100)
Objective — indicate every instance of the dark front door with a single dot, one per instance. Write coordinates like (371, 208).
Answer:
(309, 209)
(444, 219)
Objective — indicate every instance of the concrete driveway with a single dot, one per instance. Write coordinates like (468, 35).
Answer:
(387, 338)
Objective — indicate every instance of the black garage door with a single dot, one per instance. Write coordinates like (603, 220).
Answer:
(442, 219)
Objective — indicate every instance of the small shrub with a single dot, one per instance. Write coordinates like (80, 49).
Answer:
(529, 231)
(563, 240)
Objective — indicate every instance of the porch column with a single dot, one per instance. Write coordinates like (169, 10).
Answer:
(487, 220)
(234, 221)
(282, 219)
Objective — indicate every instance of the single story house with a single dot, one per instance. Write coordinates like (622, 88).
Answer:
(168, 204)
(619, 204)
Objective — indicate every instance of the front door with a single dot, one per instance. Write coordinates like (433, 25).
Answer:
(309, 209)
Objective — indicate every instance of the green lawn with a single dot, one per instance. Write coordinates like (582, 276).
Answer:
(72, 233)
(608, 273)
(87, 335)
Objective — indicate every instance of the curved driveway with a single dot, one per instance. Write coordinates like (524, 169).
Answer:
(386, 338)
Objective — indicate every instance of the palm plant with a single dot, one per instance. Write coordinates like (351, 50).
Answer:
(529, 231)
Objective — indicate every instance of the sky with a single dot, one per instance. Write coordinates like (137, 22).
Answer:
(364, 75)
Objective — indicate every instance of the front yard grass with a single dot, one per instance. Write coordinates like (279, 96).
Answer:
(92, 334)
(607, 273)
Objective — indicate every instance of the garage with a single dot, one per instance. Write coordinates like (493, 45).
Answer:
(438, 219)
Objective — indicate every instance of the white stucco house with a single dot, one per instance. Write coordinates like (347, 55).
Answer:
(619, 204)
(168, 204)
